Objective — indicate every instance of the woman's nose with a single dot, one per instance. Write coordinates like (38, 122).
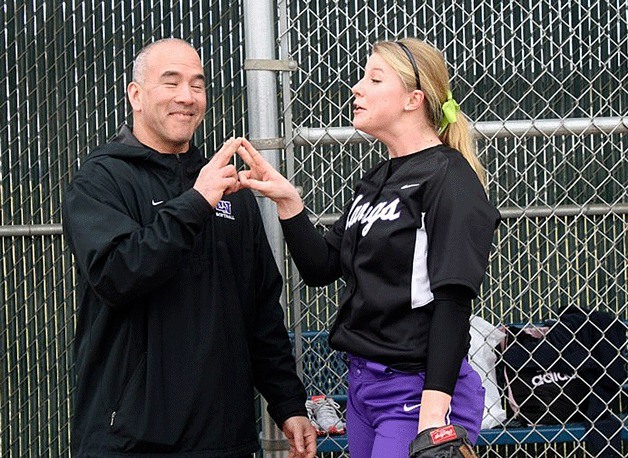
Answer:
(356, 88)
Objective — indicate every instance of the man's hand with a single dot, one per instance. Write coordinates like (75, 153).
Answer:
(302, 437)
(219, 176)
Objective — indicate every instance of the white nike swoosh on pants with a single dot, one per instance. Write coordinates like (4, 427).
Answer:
(407, 408)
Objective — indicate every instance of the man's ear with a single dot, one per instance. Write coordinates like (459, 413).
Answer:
(133, 92)
(415, 100)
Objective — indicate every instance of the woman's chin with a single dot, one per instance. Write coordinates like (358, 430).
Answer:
(357, 125)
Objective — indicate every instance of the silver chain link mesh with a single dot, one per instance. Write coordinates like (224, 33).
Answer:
(563, 194)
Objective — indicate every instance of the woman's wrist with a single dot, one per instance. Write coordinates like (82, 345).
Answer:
(434, 408)
(287, 208)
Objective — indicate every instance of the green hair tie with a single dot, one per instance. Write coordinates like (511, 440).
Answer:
(450, 108)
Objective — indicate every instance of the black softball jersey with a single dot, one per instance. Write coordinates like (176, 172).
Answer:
(416, 235)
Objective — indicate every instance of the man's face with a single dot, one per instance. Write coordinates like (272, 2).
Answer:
(170, 101)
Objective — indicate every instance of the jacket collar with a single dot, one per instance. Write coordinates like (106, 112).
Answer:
(126, 137)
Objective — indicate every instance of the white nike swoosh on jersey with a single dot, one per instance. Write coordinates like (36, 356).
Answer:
(407, 408)
(406, 186)
(155, 203)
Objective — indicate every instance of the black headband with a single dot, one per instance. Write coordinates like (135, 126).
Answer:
(413, 62)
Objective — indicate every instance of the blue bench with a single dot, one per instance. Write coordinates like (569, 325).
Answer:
(324, 372)
(571, 432)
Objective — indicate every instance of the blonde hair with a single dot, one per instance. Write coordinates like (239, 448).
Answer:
(434, 80)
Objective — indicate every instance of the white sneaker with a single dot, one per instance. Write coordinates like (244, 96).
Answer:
(324, 415)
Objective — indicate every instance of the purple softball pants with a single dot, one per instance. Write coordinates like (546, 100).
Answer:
(383, 408)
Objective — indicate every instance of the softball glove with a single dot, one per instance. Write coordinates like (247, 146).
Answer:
(444, 442)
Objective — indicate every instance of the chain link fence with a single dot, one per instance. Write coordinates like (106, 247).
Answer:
(545, 82)
(539, 79)
(65, 68)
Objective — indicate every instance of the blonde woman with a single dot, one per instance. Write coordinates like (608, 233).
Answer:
(412, 247)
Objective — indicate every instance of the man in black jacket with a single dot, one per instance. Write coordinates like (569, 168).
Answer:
(179, 317)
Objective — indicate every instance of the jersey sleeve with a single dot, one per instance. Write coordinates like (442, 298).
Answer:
(317, 260)
(335, 233)
(448, 341)
(460, 223)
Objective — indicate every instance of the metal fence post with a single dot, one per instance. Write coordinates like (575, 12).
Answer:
(263, 122)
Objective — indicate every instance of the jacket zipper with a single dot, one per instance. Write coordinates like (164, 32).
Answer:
(182, 174)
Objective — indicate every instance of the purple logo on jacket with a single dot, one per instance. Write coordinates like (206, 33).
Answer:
(223, 209)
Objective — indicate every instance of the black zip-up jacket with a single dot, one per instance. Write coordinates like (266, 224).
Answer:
(179, 316)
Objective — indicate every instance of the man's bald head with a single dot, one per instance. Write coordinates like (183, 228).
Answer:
(140, 62)
(167, 95)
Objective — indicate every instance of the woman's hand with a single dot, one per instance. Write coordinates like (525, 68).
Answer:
(434, 408)
(262, 177)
